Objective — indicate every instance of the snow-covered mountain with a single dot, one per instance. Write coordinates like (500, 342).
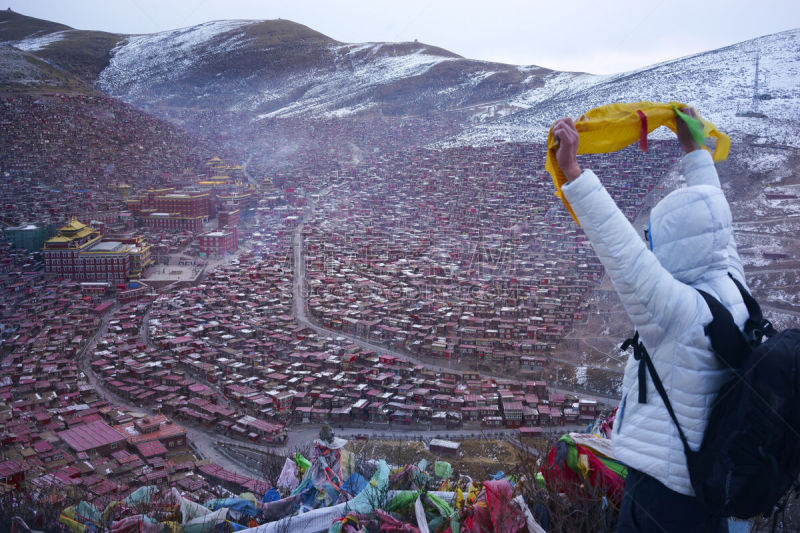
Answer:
(278, 68)
(720, 83)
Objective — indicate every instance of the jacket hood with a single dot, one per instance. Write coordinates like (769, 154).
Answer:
(689, 233)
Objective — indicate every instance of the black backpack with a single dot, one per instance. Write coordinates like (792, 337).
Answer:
(750, 454)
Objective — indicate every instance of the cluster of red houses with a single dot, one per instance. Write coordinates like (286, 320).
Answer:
(65, 156)
(462, 254)
(57, 432)
(236, 333)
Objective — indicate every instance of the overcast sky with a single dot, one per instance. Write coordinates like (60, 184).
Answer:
(598, 36)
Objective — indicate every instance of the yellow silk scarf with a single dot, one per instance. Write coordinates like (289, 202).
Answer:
(612, 127)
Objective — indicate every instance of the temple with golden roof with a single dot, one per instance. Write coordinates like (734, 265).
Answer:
(220, 173)
(80, 252)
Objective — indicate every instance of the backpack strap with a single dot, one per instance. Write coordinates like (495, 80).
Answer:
(727, 340)
(639, 352)
(663, 393)
(756, 326)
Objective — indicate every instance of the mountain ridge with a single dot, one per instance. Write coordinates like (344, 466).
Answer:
(270, 68)
(260, 69)
(16, 26)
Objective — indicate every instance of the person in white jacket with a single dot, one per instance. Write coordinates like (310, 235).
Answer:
(689, 246)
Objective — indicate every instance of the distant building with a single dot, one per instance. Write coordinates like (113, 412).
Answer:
(178, 205)
(61, 253)
(140, 255)
(228, 218)
(219, 242)
(243, 199)
(29, 237)
(173, 221)
(151, 429)
(218, 170)
(12, 473)
(146, 200)
(445, 446)
(134, 290)
(190, 204)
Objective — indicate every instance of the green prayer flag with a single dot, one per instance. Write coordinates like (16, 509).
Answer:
(695, 126)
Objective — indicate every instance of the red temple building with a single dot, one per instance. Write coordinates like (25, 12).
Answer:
(219, 242)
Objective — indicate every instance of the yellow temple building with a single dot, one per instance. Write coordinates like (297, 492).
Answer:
(220, 173)
(80, 252)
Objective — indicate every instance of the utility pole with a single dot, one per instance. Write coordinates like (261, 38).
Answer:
(754, 112)
(755, 83)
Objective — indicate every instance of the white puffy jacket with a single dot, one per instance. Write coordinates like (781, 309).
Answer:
(692, 247)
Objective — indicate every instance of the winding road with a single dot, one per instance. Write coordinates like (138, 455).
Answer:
(201, 438)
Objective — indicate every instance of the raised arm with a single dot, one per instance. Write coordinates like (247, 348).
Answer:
(698, 168)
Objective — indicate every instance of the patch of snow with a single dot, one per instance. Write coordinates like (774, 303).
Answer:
(765, 162)
(351, 49)
(791, 298)
(397, 67)
(580, 375)
(332, 93)
(348, 111)
(141, 60)
(478, 77)
(34, 44)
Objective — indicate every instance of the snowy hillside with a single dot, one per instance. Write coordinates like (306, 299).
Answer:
(20, 70)
(143, 60)
(332, 79)
(345, 89)
(278, 68)
(719, 83)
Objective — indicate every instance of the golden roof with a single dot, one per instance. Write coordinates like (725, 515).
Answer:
(74, 230)
(73, 225)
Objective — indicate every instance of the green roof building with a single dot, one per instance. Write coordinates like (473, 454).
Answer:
(30, 237)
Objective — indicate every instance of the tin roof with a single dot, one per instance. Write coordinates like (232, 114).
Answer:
(106, 246)
(90, 436)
